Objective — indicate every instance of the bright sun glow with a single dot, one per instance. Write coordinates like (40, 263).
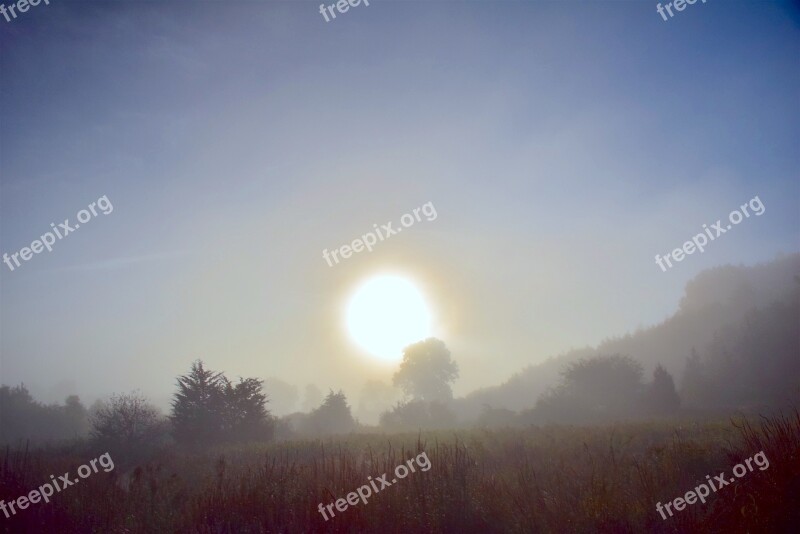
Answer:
(386, 314)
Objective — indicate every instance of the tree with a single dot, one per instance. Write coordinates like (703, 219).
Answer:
(76, 417)
(198, 407)
(612, 383)
(209, 409)
(560, 405)
(246, 416)
(19, 414)
(333, 416)
(126, 421)
(427, 371)
(661, 395)
(600, 388)
(23, 418)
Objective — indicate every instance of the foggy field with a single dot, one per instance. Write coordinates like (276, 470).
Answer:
(550, 479)
(419, 267)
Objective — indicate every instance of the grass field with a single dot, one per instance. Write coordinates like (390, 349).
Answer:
(548, 479)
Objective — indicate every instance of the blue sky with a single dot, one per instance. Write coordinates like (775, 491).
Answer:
(564, 144)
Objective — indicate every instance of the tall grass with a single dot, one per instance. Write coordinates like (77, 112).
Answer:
(540, 479)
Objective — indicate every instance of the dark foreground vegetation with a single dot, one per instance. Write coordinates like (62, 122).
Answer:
(539, 479)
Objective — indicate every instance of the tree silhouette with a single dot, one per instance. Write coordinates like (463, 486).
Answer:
(76, 416)
(208, 408)
(198, 406)
(661, 395)
(427, 371)
(600, 388)
(23, 418)
(612, 383)
(333, 416)
(246, 416)
(126, 423)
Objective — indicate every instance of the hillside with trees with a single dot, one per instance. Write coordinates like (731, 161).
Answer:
(735, 324)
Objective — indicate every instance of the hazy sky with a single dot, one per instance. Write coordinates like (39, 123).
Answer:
(563, 144)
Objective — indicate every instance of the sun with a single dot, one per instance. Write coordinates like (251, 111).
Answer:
(386, 314)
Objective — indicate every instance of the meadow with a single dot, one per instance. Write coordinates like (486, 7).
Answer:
(536, 479)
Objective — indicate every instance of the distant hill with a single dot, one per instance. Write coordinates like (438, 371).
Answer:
(716, 298)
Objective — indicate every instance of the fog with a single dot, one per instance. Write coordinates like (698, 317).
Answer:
(519, 266)
(237, 143)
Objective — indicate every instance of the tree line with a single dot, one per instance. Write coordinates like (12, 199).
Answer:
(209, 409)
(752, 364)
